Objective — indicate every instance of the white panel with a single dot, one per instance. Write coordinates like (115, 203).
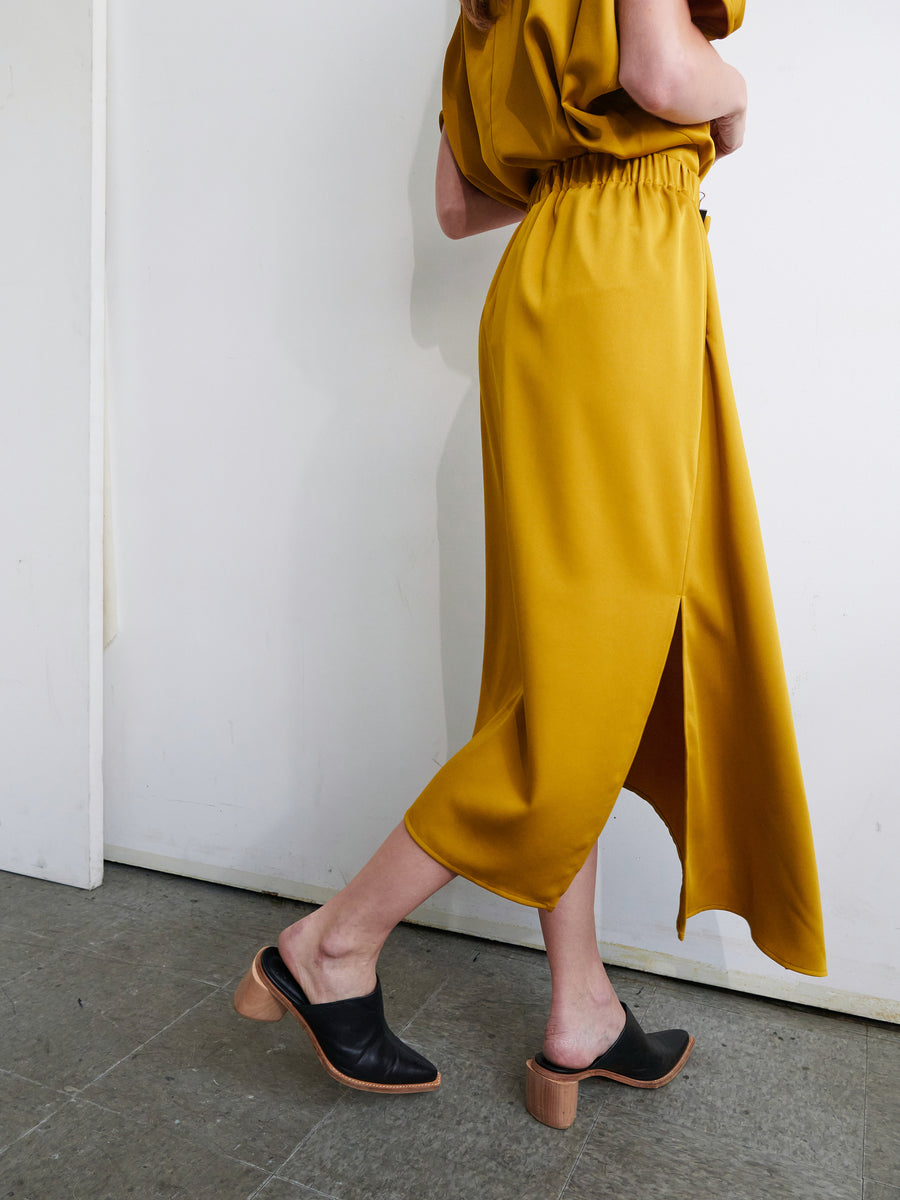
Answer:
(297, 480)
(295, 428)
(51, 366)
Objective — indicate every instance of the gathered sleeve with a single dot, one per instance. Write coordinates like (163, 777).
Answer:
(542, 85)
(717, 18)
(471, 140)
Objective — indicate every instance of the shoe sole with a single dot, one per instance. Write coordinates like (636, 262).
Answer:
(250, 1001)
(552, 1098)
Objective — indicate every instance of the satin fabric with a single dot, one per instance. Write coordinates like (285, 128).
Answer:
(630, 638)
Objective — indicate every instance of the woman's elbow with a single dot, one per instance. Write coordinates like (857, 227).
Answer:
(653, 97)
(451, 215)
(450, 193)
(656, 87)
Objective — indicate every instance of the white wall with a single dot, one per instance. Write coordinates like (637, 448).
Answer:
(51, 322)
(297, 481)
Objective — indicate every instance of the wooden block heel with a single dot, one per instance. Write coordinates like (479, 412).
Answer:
(254, 1000)
(553, 1102)
(638, 1059)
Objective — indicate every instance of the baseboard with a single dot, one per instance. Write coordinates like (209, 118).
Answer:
(797, 989)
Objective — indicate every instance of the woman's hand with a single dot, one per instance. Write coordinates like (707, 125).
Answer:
(728, 132)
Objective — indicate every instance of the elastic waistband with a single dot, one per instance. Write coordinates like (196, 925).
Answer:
(663, 169)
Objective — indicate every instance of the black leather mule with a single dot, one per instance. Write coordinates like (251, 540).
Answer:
(350, 1037)
(645, 1060)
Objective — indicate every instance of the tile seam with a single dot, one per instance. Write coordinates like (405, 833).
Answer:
(36, 1082)
(880, 1183)
(581, 1150)
(148, 1040)
(309, 1133)
(28, 1132)
(428, 999)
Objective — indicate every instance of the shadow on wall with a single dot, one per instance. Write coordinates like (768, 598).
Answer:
(449, 284)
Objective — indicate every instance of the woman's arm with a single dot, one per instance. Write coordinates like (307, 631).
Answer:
(461, 208)
(669, 68)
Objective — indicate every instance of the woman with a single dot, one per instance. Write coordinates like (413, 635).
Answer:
(629, 631)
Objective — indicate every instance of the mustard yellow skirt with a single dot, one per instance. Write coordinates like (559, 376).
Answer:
(630, 638)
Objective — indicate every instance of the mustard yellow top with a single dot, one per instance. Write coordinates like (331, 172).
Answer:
(542, 85)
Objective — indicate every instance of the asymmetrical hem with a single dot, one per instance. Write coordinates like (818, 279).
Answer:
(630, 639)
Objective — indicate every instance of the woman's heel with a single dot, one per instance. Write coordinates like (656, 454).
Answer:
(553, 1102)
(254, 1000)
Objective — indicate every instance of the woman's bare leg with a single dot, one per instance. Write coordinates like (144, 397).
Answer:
(585, 1014)
(332, 953)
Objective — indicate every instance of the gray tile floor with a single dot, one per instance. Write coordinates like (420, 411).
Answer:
(124, 1071)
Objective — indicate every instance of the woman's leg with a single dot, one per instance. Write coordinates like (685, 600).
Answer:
(332, 953)
(585, 1014)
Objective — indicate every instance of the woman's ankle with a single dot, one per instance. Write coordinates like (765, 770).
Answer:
(331, 937)
(329, 963)
(580, 1028)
